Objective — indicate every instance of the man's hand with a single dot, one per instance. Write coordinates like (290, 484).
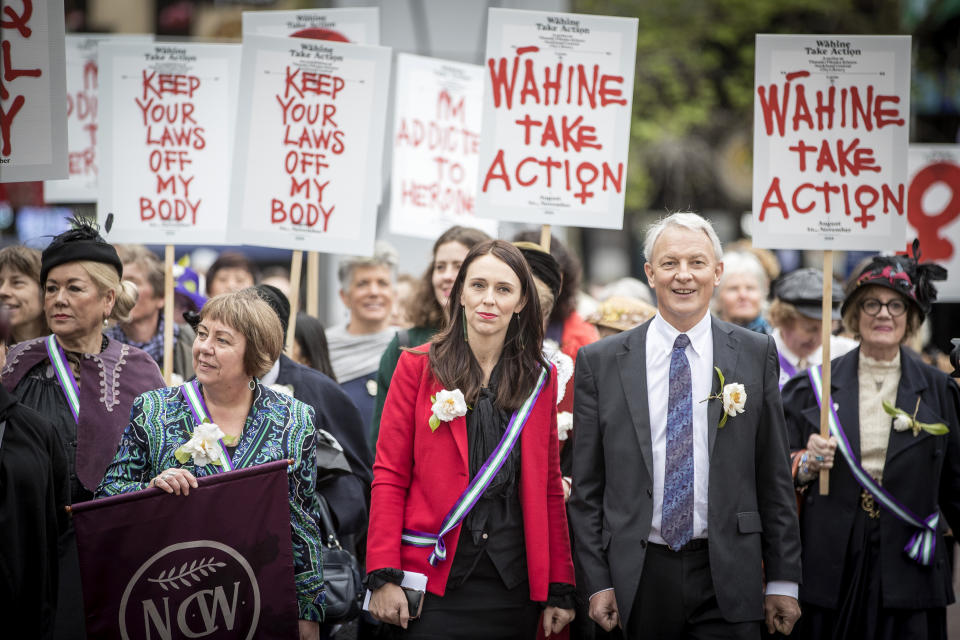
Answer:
(389, 604)
(782, 612)
(555, 619)
(603, 610)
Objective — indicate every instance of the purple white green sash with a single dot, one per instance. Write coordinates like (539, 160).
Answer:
(922, 544)
(786, 367)
(191, 391)
(480, 482)
(65, 375)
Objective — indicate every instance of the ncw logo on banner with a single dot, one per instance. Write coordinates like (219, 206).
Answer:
(191, 590)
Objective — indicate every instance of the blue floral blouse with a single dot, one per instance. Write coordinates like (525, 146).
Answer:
(278, 427)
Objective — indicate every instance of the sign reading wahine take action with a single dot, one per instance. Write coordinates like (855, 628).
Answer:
(831, 125)
(556, 118)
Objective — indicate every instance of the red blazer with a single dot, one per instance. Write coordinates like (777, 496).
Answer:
(419, 474)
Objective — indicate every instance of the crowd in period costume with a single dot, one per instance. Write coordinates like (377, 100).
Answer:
(642, 465)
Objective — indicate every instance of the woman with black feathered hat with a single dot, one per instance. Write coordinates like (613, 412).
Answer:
(874, 562)
(80, 380)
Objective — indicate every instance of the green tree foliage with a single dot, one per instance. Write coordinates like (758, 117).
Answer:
(694, 85)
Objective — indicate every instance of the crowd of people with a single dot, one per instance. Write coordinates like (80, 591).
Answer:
(637, 465)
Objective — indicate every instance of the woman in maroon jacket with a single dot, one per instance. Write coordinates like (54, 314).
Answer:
(467, 487)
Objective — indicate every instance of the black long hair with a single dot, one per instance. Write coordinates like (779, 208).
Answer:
(451, 359)
(312, 338)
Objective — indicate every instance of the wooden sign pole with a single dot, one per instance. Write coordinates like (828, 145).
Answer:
(296, 263)
(313, 284)
(168, 321)
(545, 237)
(826, 332)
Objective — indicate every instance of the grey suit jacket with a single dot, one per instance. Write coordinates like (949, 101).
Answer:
(752, 518)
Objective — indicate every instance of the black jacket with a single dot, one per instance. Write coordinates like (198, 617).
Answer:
(922, 473)
(347, 495)
(34, 488)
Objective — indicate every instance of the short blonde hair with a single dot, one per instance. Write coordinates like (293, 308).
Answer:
(245, 311)
(106, 278)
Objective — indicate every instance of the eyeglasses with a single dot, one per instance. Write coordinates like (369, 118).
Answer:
(872, 306)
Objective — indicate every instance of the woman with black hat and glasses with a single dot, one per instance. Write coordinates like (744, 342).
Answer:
(80, 380)
(874, 562)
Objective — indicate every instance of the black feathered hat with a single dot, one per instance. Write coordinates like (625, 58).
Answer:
(903, 274)
(81, 242)
(278, 302)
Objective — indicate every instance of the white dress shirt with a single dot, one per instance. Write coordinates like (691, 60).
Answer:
(660, 338)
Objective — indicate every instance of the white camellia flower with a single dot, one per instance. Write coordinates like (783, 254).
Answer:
(734, 398)
(564, 424)
(449, 405)
(902, 422)
(204, 446)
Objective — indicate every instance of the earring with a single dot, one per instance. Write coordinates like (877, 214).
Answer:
(252, 384)
(465, 338)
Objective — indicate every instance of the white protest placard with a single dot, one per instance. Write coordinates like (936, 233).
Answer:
(556, 118)
(33, 95)
(357, 25)
(82, 118)
(309, 136)
(933, 211)
(831, 125)
(166, 140)
(436, 139)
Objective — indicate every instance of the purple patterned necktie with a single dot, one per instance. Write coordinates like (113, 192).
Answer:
(676, 526)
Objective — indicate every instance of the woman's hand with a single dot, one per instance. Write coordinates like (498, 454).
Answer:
(820, 452)
(389, 604)
(175, 480)
(555, 619)
(309, 630)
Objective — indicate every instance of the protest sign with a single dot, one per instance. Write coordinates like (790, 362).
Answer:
(82, 118)
(556, 118)
(309, 133)
(933, 211)
(436, 139)
(33, 96)
(166, 142)
(217, 563)
(358, 25)
(831, 124)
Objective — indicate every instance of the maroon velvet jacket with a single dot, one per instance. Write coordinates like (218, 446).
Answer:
(109, 382)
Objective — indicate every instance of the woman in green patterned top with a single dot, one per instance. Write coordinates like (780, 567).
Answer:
(238, 339)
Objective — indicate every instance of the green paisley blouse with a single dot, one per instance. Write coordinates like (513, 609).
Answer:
(277, 427)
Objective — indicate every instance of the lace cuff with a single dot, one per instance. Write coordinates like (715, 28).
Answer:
(562, 595)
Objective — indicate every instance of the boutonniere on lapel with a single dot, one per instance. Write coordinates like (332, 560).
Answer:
(204, 445)
(903, 421)
(733, 396)
(447, 405)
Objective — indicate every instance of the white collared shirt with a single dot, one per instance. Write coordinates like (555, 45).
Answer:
(660, 338)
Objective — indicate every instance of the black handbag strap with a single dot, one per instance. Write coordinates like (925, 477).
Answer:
(326, 523)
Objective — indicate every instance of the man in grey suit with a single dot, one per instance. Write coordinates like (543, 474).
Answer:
(682, 506)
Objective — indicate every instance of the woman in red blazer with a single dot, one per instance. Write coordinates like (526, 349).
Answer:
(467, 487)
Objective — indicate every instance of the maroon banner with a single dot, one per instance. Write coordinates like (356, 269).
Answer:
(217, 564)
